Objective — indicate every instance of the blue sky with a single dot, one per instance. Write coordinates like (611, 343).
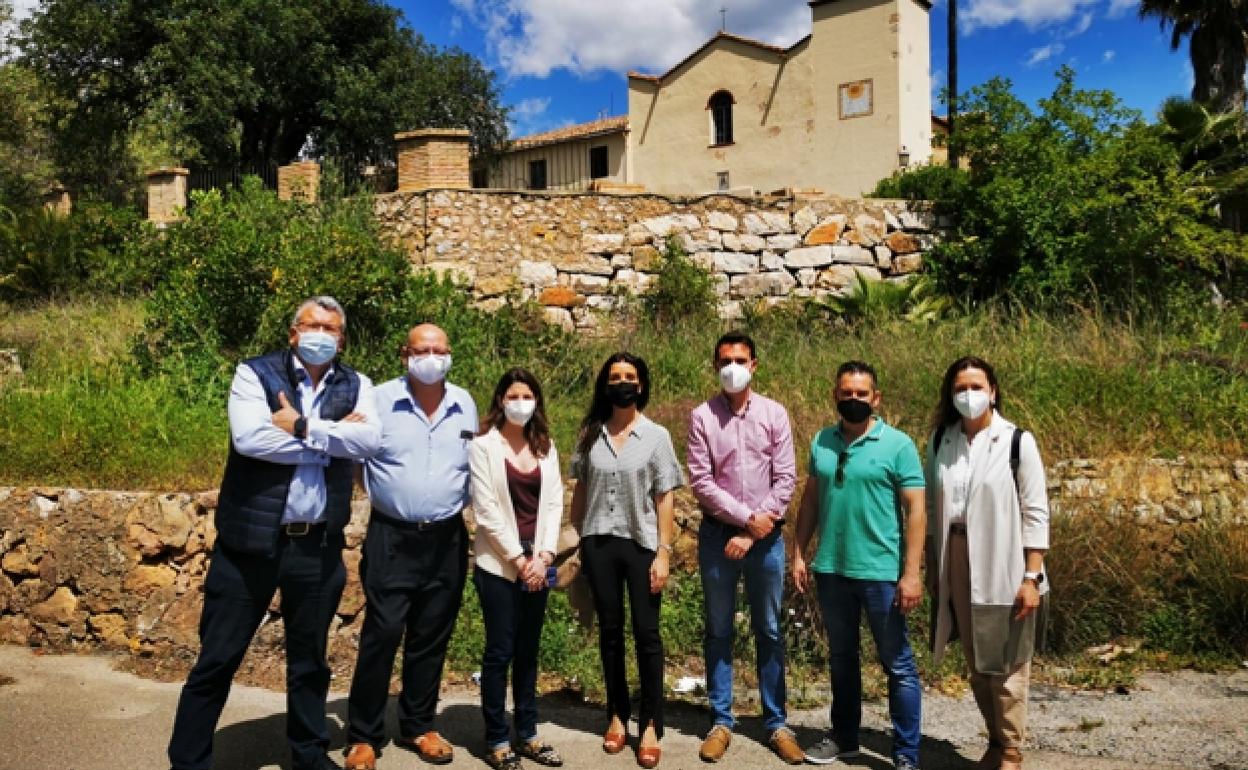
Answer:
(563, 61)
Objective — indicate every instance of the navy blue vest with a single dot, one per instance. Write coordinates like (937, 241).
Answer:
(253, 492)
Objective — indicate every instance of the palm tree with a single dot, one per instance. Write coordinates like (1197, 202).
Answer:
(1213, 150)
(1218, 30)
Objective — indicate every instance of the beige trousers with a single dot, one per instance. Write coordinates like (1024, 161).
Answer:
(1002, 698)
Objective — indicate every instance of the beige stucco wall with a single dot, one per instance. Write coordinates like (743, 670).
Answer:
(914, 60)
(671, 137)
(855, 40)
(567, 164)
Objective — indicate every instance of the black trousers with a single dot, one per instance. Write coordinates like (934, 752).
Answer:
(513, 629)
(414, 583)
(237, 592)
(613, 566)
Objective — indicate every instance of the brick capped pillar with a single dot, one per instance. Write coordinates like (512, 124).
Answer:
(433, 157)
(299, 180)
(166, 194)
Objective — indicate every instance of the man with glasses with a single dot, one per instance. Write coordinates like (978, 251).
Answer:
(742, 470)
(416, 550)
(298, 421)
(864, 497)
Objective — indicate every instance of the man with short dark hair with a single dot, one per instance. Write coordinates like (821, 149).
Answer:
(298, 420)
(865, 481)
(742, 471)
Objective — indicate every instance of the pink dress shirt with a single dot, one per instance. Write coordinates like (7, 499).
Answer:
(741, 464)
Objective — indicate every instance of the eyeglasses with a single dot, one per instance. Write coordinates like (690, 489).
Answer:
(313, 326)
(841, 459)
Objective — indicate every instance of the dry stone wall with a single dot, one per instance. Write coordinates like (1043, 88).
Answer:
(576, 254)
(124, 570)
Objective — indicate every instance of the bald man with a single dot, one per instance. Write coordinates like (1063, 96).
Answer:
(416, 552)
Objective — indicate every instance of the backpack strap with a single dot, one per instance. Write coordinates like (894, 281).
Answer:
(1016, 443)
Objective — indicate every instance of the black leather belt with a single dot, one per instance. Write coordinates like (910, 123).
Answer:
(302, 528)
(957, 528)
(417, 526)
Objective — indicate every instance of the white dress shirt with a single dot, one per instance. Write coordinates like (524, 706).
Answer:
(254, 435)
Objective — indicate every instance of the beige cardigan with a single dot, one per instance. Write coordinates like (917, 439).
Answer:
(497, 542)
(1002, 520)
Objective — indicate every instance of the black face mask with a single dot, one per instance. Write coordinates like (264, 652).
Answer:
(623, 394)
(853, 411)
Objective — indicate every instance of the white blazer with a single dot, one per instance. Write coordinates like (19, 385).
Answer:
(1002, 520)
(497, 542)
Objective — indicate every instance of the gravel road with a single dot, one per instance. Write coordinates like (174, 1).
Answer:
(79, 713)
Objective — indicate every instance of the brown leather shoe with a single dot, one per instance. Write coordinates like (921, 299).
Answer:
(431, 747)
(361, 757)
(784, 743)
(716, 743)
(649, 756)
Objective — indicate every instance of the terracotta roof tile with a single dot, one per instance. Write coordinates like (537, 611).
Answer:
(721, 35)
(580, 131)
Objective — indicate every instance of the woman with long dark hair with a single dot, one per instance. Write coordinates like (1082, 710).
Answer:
(988, 525)
(517, 498)
(626, 471)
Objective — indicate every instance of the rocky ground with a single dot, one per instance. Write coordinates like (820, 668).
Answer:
(80, 713)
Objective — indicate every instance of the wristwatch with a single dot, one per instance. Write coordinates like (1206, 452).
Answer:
(301, 428)
(1035, 577)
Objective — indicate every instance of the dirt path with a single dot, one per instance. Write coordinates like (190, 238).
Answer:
(78, 713)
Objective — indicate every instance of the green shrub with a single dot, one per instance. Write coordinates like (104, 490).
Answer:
(683, 291)
(924, 183)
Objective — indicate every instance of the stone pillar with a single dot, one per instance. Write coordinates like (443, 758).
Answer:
(433, 157)
(56, 200)
(166, 194)
(300, 181)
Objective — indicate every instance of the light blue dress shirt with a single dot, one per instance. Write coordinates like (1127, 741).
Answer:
(254, 435)
(421, 472)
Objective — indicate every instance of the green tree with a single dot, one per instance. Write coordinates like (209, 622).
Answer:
(247, 82)
(1079, 198)
(1217, 31)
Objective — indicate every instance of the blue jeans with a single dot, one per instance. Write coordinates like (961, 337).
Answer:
(763, 570)
(513, 629)
(842, 601)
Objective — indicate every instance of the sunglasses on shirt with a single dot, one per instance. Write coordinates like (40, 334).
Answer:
(841, 459)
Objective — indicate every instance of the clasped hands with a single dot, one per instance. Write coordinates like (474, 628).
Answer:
(531, 570)
(757, 527)
(285, 417)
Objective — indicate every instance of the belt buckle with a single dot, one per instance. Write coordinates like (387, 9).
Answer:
(298, 529)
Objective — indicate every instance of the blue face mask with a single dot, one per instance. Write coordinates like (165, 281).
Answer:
(316, 348)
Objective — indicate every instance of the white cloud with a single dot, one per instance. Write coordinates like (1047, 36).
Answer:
(1044, 53)
(1032, 13)
(528, 116)
(1108, 56)
(535, 37)
(1122, 7)
(1081, 25)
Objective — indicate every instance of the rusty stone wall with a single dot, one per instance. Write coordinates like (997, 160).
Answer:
(576, 253)
(87, 570)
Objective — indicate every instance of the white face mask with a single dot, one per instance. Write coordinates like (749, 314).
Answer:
(316, 348)
(971, 403)
(519, 410)
(734, 378)
(429, 369)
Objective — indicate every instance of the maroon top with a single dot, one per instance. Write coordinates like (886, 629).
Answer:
(526, 490)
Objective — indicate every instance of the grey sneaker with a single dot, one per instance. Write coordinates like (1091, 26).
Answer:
(827, 751)
(902, 763)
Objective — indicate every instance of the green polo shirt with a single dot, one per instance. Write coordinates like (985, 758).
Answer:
(860, 519)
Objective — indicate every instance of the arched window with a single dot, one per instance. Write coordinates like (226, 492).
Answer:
(720, 106)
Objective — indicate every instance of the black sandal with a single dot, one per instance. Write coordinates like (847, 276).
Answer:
(541, 753)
